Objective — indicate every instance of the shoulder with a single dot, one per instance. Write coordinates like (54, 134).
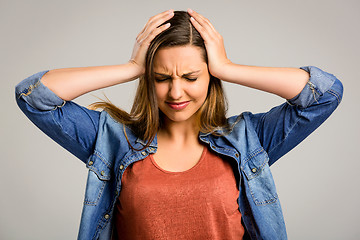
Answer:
(114, 132)
(245, 120)
(241, 137)
(240, 128)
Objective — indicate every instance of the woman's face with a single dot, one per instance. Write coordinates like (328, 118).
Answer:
(181, 81)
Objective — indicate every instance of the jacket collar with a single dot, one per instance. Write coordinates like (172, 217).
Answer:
(218, 131)
(154, 141)
(152, 144)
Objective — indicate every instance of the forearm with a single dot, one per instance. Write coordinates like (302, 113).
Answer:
(284, 82)
(70, 83)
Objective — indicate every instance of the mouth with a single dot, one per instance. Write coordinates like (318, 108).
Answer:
(178, 105)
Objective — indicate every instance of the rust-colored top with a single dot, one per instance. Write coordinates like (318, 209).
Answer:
(200, 203)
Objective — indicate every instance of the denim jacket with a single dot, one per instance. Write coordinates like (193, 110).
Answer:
(255, 142)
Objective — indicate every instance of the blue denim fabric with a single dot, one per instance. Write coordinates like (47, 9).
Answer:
(255, 142)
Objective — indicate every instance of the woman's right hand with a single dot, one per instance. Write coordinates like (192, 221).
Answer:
(144, 38)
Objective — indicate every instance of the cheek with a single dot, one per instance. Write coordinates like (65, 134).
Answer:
(201, 90)
(160, 91)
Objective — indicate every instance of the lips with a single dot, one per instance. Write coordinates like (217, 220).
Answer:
(178, 105)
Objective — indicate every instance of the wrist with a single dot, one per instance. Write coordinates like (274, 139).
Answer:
(135, 69)
(222, 70)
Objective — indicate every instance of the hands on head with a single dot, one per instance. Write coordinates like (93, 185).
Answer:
(151, 29)
(213, 41)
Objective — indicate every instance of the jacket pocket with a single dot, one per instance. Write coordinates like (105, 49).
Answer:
(259, 178)
(98, 176)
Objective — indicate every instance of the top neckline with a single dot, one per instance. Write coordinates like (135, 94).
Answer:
(181, 172)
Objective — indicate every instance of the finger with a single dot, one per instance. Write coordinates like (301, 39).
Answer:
(154, 18)
(156, 21)
(203, 21)
(152, 31)
(156, 32)
(151, 19)
(205, 28)
(204, 34)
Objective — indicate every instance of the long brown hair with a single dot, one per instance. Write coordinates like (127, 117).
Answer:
(145, 119)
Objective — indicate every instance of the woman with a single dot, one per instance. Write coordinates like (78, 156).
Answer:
(202, 175)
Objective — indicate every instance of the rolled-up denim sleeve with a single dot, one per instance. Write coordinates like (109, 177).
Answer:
(319, 83)
(72, 126)
(285, 126)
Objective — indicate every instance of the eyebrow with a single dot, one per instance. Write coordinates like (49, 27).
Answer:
(184, 75)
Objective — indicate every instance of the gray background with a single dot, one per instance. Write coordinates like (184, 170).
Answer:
(42, 186)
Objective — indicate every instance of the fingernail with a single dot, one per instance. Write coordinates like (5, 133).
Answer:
(190, 11)
(192, 19)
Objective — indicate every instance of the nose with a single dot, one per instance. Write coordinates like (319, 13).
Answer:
(175, 89)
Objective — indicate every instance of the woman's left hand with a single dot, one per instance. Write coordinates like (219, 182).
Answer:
(214, 43)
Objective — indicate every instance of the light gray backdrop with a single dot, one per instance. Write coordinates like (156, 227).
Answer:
(42, 186)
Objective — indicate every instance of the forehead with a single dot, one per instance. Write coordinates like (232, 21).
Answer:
(179, 58)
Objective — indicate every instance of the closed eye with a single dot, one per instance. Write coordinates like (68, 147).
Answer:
(161, 79)
(164, 77)
(191, 79)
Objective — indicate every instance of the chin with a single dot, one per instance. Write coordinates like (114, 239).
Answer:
(179, 116)
(184, 115)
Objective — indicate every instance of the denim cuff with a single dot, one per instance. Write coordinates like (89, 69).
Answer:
(36, 94)
(319, 82)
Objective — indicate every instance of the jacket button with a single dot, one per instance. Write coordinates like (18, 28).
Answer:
(236, 155)
(254, 170)
(151, 149)
(91, 163)
(102, 173)
(107, 216)
(143, 153)
(121, 167)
